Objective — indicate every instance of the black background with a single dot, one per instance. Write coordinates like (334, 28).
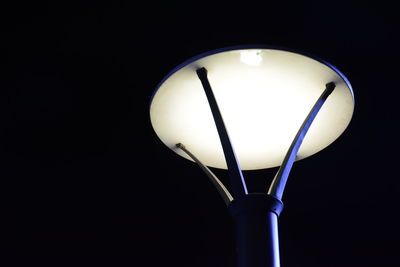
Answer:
(86, 182)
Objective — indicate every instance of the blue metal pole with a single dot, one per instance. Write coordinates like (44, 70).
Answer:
(256, 229)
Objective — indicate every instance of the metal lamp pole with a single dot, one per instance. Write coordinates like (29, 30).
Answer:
(255, 215)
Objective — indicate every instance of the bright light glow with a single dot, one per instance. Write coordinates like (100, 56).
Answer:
(251, 57)
(262, 107)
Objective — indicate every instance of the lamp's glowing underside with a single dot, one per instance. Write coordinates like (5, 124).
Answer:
(264, 96)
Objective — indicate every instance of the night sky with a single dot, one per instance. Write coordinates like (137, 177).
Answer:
(85, 181)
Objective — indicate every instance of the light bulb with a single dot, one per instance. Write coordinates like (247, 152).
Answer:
(251, 57)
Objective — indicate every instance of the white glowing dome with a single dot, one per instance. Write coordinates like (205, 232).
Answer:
(264, 96)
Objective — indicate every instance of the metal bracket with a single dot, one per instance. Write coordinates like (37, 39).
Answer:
(226, 196)
(278, 184)
(237, 181)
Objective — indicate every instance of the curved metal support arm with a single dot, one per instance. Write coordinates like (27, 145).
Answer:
(278, 184)
(226, 196)
(237, 181)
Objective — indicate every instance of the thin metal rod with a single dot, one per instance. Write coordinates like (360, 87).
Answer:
(226, 196)
(278, 184)
(235, 173)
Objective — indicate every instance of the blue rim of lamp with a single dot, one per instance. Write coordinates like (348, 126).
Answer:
(237, 47)
(200, 146)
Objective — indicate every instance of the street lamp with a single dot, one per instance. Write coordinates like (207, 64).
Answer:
(267, 99)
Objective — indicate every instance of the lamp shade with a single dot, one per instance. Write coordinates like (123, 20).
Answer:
(264, 94)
